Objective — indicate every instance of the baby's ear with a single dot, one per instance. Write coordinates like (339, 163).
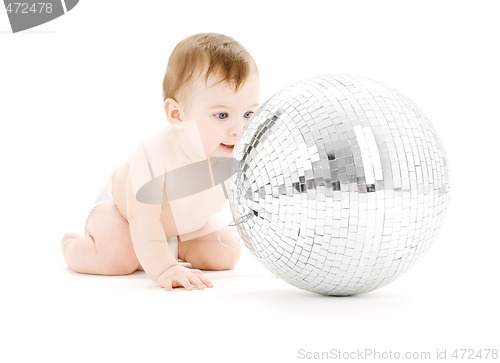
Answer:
(172, 111)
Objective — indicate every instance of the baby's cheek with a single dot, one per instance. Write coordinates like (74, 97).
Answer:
(212, 146)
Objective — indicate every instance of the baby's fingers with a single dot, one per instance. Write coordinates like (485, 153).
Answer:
(196, 281)
(184, 282)
(169, 284)
(204, 280)
(199, 274)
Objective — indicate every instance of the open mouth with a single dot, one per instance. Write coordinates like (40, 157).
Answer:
(227, 148)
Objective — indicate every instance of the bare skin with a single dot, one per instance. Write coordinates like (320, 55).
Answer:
(107, 249)
(127, 234)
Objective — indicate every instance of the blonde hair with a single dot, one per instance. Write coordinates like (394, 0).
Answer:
(218, 54)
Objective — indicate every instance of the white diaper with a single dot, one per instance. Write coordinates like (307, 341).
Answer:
(106, 195)
(106, 192)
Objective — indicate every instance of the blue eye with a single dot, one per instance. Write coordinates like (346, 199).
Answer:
(248, 114)
(221, 115)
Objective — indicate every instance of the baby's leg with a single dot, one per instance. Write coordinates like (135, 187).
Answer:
(207, 253)
(106, 249)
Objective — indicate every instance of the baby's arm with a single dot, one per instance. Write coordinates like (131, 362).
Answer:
(148, 236)
(151, 248)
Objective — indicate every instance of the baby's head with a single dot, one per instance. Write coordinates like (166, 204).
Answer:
(211, 80)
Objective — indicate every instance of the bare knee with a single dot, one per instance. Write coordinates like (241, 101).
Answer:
(115, 268)
(120, 259)
(223, 258)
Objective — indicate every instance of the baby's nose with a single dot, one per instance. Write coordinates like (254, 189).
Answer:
(236, 128)
(233, 132)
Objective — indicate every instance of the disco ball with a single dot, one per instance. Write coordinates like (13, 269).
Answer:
(340, 184)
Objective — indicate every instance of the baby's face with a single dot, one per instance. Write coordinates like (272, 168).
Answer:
(220, 113)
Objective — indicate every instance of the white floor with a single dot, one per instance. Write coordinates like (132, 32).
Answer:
(50, 313)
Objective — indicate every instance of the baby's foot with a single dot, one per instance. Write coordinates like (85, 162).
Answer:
(68, 237)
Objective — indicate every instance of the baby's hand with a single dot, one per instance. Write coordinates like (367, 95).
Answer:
(180, 276)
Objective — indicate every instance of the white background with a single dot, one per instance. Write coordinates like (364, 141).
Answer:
(79, 93)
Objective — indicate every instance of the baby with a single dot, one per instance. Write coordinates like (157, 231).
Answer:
(161, 205)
